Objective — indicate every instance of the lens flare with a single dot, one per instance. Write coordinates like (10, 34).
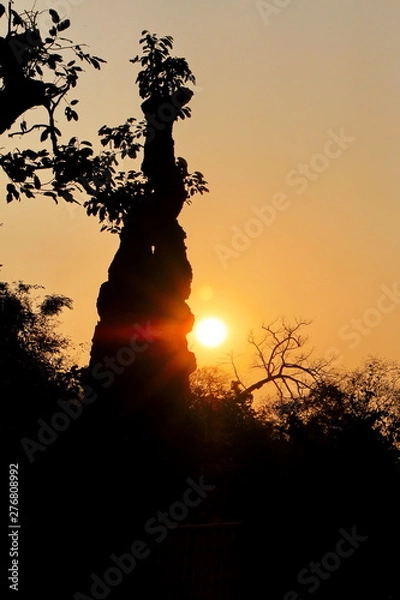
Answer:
(211, 332)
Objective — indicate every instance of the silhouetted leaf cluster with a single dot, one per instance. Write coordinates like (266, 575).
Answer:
(35, 369)
(68, 170)
(162, 74)
(119, 192)
(39, 58)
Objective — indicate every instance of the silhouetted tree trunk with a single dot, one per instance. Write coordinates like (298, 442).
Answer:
(16, 100)
(19, 93)
(139, 357)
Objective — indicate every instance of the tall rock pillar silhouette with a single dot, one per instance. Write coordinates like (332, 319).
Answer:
(139, 358)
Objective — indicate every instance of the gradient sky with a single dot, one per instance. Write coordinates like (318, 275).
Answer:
(272, 91)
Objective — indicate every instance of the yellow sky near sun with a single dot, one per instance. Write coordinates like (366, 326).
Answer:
(268, 96)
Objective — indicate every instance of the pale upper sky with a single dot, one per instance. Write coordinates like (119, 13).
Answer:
(295, 121)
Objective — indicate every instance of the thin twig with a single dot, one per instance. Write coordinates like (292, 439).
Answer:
(236, 372)
(27, 130)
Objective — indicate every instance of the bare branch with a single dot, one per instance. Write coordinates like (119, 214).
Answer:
(285, 361)
(238, 379)
(24, 132)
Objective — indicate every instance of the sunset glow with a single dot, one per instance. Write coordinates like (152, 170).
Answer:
(295, 222)
(211, 332)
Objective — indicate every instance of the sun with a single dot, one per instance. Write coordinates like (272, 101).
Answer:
(211, 332)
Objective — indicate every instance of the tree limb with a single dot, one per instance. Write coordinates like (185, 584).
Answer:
(278, 355)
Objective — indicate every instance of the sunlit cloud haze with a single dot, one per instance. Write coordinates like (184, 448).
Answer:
(295, 126)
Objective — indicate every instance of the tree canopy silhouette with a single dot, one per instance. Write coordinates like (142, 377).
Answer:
(40, 68)
(321, 456)
(35, 367)
(149, 278)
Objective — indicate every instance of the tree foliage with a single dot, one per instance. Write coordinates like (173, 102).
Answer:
(118, 194)
(40, 68)
(34, 364)
(161, 74)
(67, 170)
(307, 399)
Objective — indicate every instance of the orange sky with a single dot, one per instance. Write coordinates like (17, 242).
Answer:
(295, 126)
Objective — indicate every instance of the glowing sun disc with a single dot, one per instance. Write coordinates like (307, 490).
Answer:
(211, 332)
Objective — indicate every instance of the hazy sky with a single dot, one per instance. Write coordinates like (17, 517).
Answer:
(295, 126)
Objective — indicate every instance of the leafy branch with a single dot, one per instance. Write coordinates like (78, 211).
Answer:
(162, 74)
(35, 70)
(73, 168)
